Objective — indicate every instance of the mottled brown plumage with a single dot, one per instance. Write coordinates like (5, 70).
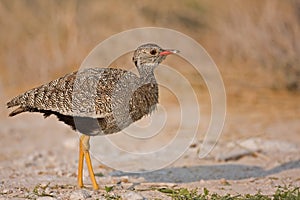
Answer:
(98, 100)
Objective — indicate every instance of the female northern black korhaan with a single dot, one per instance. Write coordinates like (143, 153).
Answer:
(98, 100)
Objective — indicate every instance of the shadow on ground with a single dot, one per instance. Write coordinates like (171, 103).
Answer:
(210, 172)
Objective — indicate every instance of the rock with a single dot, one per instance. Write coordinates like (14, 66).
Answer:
(254, 147)
(223, 181)
(46, 198)
(124, 179)
(44, 185)
(50, 191)
(235, 154)
(6, 191)
(80, 195)
(132, 196)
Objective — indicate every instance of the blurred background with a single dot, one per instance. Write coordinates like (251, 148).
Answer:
(254, 43)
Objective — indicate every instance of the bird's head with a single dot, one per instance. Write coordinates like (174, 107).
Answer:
(150, 56)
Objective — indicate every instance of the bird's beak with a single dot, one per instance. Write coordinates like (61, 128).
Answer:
(168, 51)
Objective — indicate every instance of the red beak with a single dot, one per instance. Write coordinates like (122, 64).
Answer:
(167, 52)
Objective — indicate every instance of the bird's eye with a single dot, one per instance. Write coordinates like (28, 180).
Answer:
(153, 52)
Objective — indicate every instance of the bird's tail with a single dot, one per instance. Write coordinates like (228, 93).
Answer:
(15, 102)
(17, 111)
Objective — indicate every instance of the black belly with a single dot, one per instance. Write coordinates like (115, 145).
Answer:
(101, 126)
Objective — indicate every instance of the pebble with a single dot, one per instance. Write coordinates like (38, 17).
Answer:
(202, 181)
(46, 198)
(223, 181)
(132, 196)
(128, 186)
(50, 191)
(194, 145)
(80, 195)
(125, 179)
(6, 191)
(44, 185)
(239, 149)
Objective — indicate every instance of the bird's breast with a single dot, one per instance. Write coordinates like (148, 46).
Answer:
(130, 108)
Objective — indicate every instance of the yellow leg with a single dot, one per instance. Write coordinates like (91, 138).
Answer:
(80, 164)
(91, 171)
(84, 147)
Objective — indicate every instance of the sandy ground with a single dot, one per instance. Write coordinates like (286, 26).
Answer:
(260, 143)
(258, 150)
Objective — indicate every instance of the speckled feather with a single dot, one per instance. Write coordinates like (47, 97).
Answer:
(99, 93)
(98, 100)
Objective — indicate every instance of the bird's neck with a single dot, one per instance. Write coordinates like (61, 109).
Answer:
(147, 73)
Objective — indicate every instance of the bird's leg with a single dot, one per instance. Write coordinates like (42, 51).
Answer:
(80, 163)
(85, 144)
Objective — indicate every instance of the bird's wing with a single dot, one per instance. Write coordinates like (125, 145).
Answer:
(85, 93)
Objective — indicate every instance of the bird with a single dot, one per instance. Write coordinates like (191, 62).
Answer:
(98, 101)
